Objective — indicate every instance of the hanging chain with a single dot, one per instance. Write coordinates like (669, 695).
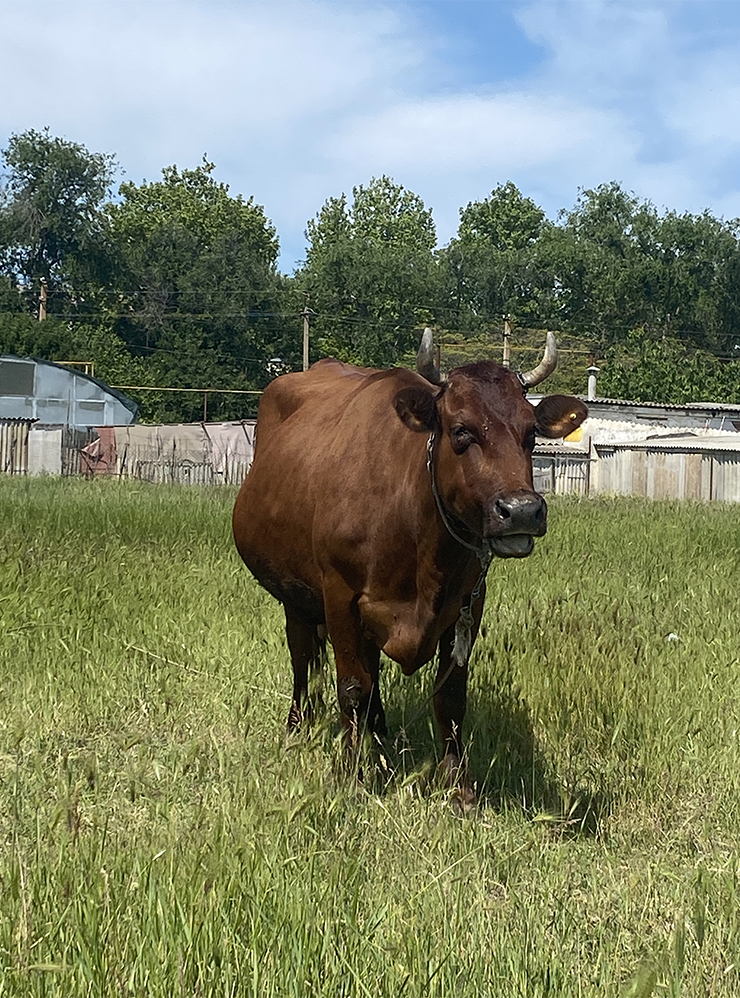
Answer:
(483, 552)
(464, 625)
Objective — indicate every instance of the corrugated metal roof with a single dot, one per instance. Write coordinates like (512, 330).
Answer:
(730, 443)
(559, 447)
(670, 406)
(59, 394)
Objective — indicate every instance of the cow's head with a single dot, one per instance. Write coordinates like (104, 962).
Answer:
(484, 430)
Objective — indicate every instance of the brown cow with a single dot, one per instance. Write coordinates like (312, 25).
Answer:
(374, 505)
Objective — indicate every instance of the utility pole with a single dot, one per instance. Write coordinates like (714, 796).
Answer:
(42, 300)
(507, 343)
(305, 331)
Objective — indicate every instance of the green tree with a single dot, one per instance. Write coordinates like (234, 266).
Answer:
(196, 295)
(11, 296)
(699, 280)
(491, 267)
(370, 273)
(647, 368)
(617, 265)
(603, 263)
(60, 340)
(505, 221)
(51, 223)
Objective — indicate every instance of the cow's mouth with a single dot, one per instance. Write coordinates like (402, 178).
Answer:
(512, 546)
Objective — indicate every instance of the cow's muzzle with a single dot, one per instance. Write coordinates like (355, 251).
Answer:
(514, 521)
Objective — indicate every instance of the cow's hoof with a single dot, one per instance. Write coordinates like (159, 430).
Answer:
(295, 718)
(464, 798)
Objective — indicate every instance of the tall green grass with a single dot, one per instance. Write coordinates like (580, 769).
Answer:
(160, 836)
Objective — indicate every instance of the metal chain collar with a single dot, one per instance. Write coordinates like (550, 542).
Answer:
(483, 552)
(464, 625)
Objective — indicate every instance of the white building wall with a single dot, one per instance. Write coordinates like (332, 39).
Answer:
(44, 452)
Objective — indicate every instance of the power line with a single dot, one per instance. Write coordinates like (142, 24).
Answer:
(533, 322)
(200, 391)
(142, 316)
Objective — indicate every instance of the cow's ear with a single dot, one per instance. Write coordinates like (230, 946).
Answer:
(417, 407)
(559, 415)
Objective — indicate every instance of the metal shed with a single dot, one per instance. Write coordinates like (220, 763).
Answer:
(58, 395)
(655, 450)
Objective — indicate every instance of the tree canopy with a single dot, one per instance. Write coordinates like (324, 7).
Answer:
(619, 265)
(174, 283)
(370, 273)
(491, 265)
(51, 225)
(196, 281)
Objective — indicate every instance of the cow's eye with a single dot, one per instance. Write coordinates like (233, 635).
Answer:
(461, 438)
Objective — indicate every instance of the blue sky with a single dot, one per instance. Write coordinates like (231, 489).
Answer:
(299, 101)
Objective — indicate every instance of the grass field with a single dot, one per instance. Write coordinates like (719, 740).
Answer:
(160, 837)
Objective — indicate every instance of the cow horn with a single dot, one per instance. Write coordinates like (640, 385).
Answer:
(545, 367)
(425, 363)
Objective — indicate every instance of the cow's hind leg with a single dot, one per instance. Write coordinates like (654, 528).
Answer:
(306, 651)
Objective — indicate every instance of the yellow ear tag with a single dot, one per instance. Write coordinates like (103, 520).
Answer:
(575, 436)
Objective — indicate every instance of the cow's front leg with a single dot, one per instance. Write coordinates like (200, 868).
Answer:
(358, 691)
(450, 703)
(358, 664)
(359, 695)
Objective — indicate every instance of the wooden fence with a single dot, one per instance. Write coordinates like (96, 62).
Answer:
(690, 467)
(562, 473)
(14, 445)
(698, 468)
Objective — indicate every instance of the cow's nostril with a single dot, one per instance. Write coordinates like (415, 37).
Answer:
(503, 510)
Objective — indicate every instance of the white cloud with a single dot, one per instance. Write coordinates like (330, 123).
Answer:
(679, 88)
(624, 92)
(269, 64)
(297, 101)
(255, 86)
(168, 77)
(511, 131)
(455, 149)
(706, 105)
(613, 47)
